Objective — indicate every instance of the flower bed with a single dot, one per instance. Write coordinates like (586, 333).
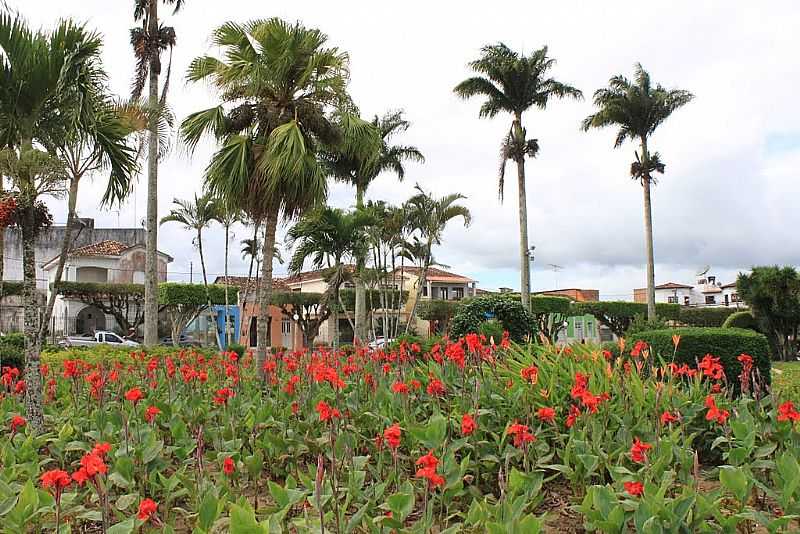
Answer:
(464, 438)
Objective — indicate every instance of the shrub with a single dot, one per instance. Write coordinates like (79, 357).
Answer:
(618, 315)
(549, 314)
(111, 354)
(12, 350)
(507, 309)
(714, 317)
(238, 348)
(492, 329)
(725, 343)
(640, 323)
(741, 319)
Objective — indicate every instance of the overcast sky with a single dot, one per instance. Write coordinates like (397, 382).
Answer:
(729, 198)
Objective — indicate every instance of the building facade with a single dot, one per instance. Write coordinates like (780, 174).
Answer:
(707, 292)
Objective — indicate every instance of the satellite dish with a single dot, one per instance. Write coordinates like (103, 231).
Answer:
(703, 270)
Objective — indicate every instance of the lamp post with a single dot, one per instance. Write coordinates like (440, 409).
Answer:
(530, 268)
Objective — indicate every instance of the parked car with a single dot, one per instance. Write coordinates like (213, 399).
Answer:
(98, 338)
(183, 341)
(379, 343)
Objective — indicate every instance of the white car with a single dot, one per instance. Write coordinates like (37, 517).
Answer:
(98, 338)
(379, 343)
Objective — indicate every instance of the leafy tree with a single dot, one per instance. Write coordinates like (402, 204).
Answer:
(637, 108)
(124, 302)
(514, 83)
(184, 302)
(549, 314)
(618, 316)
(46, 79)
(507, 309)
(428, 216)
(149, 41)
(277, 81)
(773, 295)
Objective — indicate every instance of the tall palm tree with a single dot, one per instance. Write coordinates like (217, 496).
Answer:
(514, 83)
(330, 238)
(48, 85)
(227, 216)
(149, 41)
(428, 216)
(366, 153)
(196, 216)
(277, 82)
(637, 108)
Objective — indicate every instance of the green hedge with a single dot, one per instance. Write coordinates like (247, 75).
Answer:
(76, 289)
(110, 354)
(10, 288)
(618, 315)
(438, 310)
(12, 350)
(545, 305)
(725, 343)
(172, 293)
(741, 319)
(507, 309)
(714, 317)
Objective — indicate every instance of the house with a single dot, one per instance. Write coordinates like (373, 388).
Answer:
(708, 292)
(582, 328)
(106, 261)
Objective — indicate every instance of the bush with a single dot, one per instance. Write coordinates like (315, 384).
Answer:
(492, 329)
(713, 317)
(238, 348)
(741, 319)
(725, 343)
(12, 350)
(111, 354)
(640, 323)
(618, 315)
(507, 309)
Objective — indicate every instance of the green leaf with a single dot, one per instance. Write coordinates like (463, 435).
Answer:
(125, 527)
(401, 504)
(209, 510)
(243, 521)
(125, 501)
(734, 480)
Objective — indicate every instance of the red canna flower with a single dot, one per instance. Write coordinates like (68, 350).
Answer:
(326, 413)
(17, 422)
(639, 451)
(546, 415)
(400, 387)
(392, 436)
(228, 466)
(530, 374)
(55, 480)
(223, 395)
(667, 418)
(150, 413)
(711, 367)
(714, 413)
(521, 434)
(468, 425)
(101, 449)
(147, 508)
(638, 348)
(787, 412)
(428, 464)
(574, 413)
(634, 488)
(134, 395)
(436, 387)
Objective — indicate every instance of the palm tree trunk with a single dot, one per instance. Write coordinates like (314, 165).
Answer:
(151, 254)
(524, 258)
(227, 239)
(265, 291)
(648, 237)
(422, 280)
(66, 242)
(33, 377)
(360, 330)
(2, 239)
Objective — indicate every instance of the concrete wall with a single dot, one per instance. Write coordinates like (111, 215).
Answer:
(48, 246)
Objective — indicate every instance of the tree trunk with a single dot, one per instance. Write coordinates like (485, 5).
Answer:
(524, 258)
(2, 239)
(360, 331)
(151, 245)
(265, 290)
(422, 280)
(648, 237)
(205, 284)
(66, 243)
(227, 239)
(33, 377)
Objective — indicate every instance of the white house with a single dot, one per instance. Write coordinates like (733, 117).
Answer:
(708, 292)
(103, 262)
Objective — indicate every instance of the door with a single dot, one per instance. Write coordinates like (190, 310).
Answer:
(253, 331)
(286, 333)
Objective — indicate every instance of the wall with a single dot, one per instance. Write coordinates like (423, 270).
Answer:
(48, 246)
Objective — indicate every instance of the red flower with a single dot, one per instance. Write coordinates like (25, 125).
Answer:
(787, 412)
(546, 415)
(427, 470)
(435, 387)
(147, 508)
(17, 422)
(574, 413)
(151, 413)
(400, 387)
(228, 466)
(55, 480)
(639, 451)
(223, 395)
(93, 464)
(101, 449)
(711, 367)
(468, 425)
(581, 381)
(521, 434)
(530, 374)
(667, 418)
(714, 413)
(637, 349)
(134, 395)
(392, 436)
(326, 413)
(634, 488)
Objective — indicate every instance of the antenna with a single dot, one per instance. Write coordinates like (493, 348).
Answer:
(556, 269)
(703, 270)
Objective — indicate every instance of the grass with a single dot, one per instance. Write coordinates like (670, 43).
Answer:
(786, 380)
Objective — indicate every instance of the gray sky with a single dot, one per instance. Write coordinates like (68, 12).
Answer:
(728, 198)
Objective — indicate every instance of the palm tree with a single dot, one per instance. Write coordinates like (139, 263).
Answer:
(149, 41)
(331, 239)
(227, 216)
(47, 91)
(514, 83)
(197, 216)
(428, 216)
(637, 108)
(277, 81)
(366, 153)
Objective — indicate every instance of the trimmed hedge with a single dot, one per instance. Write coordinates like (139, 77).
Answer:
(172, 293)
(507, 309)
(12, 350)
(725, 343)
(714, 317)
(618, 315)
(741, 319)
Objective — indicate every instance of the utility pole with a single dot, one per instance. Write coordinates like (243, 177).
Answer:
(190, 272)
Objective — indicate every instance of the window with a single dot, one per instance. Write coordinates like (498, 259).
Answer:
(458, 293)
(578, 328)
(711, 299)
(735, 297)
(112, 338)
(138, 277)
(425, 290)
(712, 280)
(286, 326)
(672, 299)
(444, 293)
(686, 300)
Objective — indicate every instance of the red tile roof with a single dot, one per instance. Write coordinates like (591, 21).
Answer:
(673, 285)
(436, 275)
(103, 248)
(278, 284)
